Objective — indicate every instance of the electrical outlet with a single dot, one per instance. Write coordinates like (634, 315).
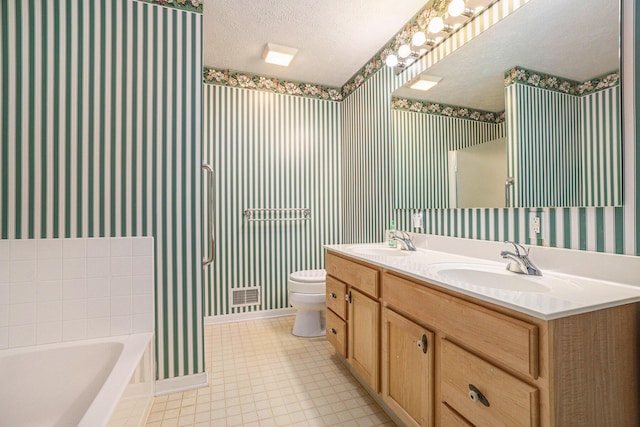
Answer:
(534, 225)
(416, 220)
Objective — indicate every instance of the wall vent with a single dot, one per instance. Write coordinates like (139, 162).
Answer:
(245, 296)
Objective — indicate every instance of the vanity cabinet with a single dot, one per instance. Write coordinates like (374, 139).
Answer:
(444, 358)
(407, 369)
(353, 315)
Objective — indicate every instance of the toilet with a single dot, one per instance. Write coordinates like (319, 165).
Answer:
(307, 296)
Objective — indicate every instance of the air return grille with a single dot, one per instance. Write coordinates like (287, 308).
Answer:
(245, 296)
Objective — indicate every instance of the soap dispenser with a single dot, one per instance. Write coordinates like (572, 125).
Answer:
(391, 233)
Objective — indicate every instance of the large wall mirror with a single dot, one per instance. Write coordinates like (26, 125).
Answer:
(527, 114)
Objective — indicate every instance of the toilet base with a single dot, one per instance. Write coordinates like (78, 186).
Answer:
(309, 324)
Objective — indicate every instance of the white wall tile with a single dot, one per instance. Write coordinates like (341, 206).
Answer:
(121, 286)
(24, 249)
(4, 338)
(5, 293)
(48, 332)
(74, 289)
(142, 323)
(142, 266)
(22, 271)
(49, 269)
(121, 266)
(121, 247)
(49, 290)
(98, 307)
(22, 292)
(74, 268)
(98, 267)
(98, 327)
(4, 315)
(142, 304)
(74, 330)
(74, 309)
(98, 248)
(4, 250)
(121, 325)
(22, 314)
(142, 246)
(74, 248)
(98, 287)
(143, 285)
(22, 335)
(5, 270)
(49, 311)
(120, 305)
(50, 249)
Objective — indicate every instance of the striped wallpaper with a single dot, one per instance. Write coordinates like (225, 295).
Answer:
(543, 146)
(601, 149)
(421, 143)
(269, 150)
(101, 126)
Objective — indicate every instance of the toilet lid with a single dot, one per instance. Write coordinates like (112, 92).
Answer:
(309, 276)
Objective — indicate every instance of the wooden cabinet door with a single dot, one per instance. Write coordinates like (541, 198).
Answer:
(364, 332)
(407, 369)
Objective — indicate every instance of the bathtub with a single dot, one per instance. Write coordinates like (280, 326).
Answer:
(75, 383)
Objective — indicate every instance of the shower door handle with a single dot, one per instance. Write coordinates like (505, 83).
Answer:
(208, 260)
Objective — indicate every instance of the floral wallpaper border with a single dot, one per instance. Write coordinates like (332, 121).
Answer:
(270, 84)
(425, 107)
(188, 5)
(560, 84)
(418, 23)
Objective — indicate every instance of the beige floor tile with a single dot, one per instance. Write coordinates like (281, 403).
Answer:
(262, 376)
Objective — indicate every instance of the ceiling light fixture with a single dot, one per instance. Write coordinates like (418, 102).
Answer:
(442, 25)
(424, 82)
(278, 55)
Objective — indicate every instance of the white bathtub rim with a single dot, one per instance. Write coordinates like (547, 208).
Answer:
(105, 403)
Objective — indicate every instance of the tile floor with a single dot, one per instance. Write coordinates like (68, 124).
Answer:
(260, 375)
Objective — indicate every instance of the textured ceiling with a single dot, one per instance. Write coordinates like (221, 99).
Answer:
(334, 38)
(575, 39)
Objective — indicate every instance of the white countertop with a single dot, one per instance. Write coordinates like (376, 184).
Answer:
(550, 296)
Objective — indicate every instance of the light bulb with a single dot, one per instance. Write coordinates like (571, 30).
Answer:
(391, 60)
(436, 25)
(418, 39)
(456, 7)
(410, 60)
(404, 51)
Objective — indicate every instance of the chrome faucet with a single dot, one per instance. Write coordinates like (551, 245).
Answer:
(519, 261)
(405, 239)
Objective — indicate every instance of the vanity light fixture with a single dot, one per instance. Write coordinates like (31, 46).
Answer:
(278, 55)
(424, 82)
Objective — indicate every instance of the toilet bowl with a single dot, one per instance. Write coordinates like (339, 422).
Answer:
(307, 296)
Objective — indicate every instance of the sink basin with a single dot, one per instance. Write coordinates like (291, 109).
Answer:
(494, 277)
(379, 250)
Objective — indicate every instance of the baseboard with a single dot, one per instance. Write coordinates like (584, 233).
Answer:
(249, 315)
(183, 383)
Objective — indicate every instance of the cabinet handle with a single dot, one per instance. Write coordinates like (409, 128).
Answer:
(347, 297)
(476, 395)
(333, 295)
(333, 331)
(423, 344)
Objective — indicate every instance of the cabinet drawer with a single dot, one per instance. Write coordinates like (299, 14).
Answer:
(353, 274)
(336, 291)
(510, 401)
(449, 417)
(510, 341)
(337, 332)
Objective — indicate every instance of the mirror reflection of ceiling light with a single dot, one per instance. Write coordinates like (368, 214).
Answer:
(278, 55)
(424, 82)
(436, 25)
(456, 7)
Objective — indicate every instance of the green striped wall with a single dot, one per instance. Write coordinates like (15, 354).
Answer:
(421, 143)
(101, 126)
(269, 150)
(610, 229)
(543, 146)
(601, 148)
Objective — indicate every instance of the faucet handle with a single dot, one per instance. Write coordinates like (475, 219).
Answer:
(517, 247)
